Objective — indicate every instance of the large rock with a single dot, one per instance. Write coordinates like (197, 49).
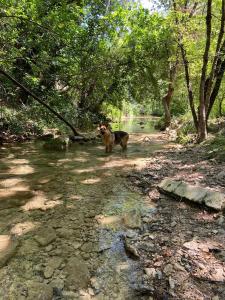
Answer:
(78, 274)
(45, 236)
(8, 248)
(193, 193)
(215, 200)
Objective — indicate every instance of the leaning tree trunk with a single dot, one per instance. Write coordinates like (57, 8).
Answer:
(40, 101)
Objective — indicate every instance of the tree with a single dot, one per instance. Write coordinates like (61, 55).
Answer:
(210, 81)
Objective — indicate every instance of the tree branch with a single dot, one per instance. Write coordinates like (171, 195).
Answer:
(39, 100)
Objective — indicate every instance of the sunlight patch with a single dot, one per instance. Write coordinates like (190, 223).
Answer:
(22, 228)
(11, 182)
(91, 181)
(5, 242)
(81, 159)
(109, 220)
(21, 170)
(19, 161)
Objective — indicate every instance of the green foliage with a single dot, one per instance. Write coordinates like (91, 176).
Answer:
(88, 58)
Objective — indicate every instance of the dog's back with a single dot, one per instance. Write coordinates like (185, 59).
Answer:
(119, 135)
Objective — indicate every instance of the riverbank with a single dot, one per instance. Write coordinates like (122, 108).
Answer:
(182, 246)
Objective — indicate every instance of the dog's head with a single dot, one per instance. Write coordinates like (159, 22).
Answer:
(103, 128)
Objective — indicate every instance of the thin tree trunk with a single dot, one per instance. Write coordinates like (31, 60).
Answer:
(202, 127)
(186, 69)
(221, 107)
(216, 88)
(39, 100)
(167, 99)
(217, 56)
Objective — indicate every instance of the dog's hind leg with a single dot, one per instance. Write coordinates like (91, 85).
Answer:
(123, 142)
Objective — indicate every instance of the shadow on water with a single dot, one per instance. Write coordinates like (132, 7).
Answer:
(83, 195)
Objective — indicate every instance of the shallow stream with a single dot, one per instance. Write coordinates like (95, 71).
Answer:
(57, 206)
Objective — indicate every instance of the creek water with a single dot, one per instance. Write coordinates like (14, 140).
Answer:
(76, 201)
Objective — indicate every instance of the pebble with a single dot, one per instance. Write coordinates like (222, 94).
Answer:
(168, 269)
(171, 283)
(173, 224)
(151, 272)
(220, 220)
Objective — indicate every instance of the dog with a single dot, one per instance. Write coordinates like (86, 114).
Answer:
(111, 138)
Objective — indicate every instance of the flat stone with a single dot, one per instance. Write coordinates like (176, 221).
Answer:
(8, 248)
(78, 273)
(169, 185)
(180, 189)
(64, 232)
(190, 192)
(215, 200)
(151, 272)
(45, 236)
(53, 264)
(132, 219)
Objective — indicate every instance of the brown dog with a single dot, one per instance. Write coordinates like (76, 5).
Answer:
(113, 138)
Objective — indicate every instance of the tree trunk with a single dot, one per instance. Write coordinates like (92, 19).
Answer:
(217, 58)
(40, 101)
(216, 88)
(221, 107)
(202, 126)
(186, 66)
(166, 100)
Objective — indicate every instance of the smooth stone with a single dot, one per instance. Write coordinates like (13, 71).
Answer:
(45, 236)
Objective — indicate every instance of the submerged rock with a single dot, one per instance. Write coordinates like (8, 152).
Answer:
(132, 219)
(78, 273)
(193, 193)
(45, 236)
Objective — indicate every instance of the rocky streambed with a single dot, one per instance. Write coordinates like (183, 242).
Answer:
(79, 224)
(66, 220)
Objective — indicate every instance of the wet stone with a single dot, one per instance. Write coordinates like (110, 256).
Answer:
(37, 290)
(45, 236)
(64, 233)
(52, 264)
(132, 219)
(77, 273)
